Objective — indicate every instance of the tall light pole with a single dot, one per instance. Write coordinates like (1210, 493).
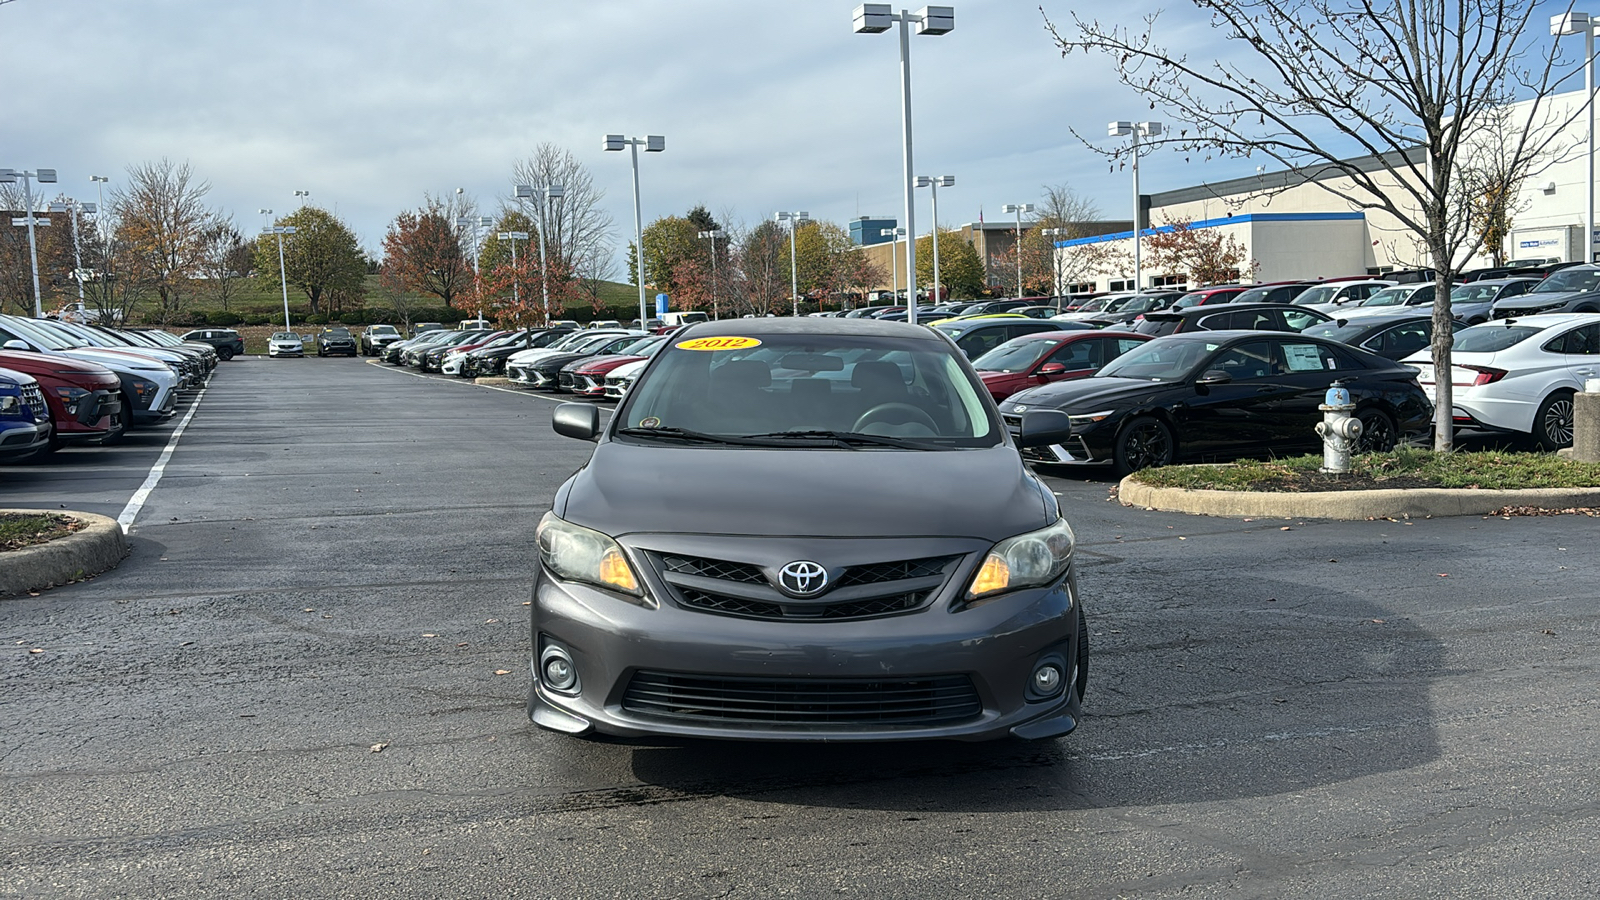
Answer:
(513, 237)
(893, 234)
(933, 183)
(301, 196)
(74, 207)
(654, 143)
(795, 220)
(876, 18)
(1581, 23)
(1137, 130)
(1055, 265)
(544, 193)
(1019, 209)
(474, 226)
(283, 274)
(713, 234)
(45, 176)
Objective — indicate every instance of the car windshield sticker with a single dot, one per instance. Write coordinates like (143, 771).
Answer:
(650, 422)
(718, 343)
(1303, 357)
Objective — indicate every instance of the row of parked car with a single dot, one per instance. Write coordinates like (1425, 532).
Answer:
(64, 384)
(589, 362)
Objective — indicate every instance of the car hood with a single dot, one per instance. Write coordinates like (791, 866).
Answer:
(1083, 394)
(1537, 300)
(122, 360)
(636, 488)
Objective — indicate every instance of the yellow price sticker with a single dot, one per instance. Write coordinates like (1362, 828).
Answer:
(718, 343)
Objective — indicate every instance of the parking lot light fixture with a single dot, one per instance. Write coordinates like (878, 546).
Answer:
(1019, 209)
(283, 274)
(654, 143)
(513, 237)
(1136, 130)
(795, 220)
(302, 196)
(44, 176)
(933, 183)
(876, 18)
(545, 194)
(1570, 23)
(74, 207)
(713, 235)
(893, 234)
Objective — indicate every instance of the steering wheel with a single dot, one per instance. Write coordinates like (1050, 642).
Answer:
(895, 414)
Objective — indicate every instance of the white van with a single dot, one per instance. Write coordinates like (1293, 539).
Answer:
(681, 319)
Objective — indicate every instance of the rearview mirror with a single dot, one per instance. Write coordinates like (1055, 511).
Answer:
(1052, 368)
(15, 345)
(576, 420)
(1043, 427)
(1214, 376)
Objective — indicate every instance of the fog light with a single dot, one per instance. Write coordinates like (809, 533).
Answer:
(1047, 679)
(557, 670)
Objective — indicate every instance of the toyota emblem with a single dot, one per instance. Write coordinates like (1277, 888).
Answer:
(803, 578)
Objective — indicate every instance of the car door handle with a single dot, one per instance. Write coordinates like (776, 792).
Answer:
(1266, 389)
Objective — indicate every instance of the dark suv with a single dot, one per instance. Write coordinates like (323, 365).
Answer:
(228, 342)
(1230, 317)
(336, 340)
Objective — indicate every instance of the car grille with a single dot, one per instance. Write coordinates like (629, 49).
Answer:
(906, 585)
(33, 398)
(565, 381)
(819, 703)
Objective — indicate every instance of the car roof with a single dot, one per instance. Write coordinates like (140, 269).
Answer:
(807, 325)
(1388, 318)
(1223, 308)
(1509, 279)
(1543, 320)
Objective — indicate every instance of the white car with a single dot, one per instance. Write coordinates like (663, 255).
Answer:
(520, 366)
(620, 379)
(1392, 299)
(1338, 295)
(285, 343)
(1519, 375)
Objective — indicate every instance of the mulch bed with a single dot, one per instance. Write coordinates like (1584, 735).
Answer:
(14, 537)
(1316, 481)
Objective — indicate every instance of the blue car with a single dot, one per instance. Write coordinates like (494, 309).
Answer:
(24, 419)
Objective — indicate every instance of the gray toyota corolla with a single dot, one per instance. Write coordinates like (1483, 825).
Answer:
(807, 529)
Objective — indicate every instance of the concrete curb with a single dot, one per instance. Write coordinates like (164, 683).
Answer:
(497, 380)
(99, 547)
(1409, 503)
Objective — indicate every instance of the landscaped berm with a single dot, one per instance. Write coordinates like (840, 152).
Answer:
(40, 550)
(1405, 482)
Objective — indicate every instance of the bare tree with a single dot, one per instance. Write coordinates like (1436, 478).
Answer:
(1492, 175)
(162, 224)
(1380, 93)
(761, 257)
(226, 263)
(577, 232)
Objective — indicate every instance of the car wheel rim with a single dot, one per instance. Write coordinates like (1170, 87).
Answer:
(1558, 421)
(1376, 436)
(1147, 446)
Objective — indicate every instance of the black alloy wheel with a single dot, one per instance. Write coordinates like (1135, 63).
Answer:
(225, 353)
(1144, 443)
(1377, 431)
(1552, 426)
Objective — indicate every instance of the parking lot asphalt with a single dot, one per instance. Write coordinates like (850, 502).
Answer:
(309, 680)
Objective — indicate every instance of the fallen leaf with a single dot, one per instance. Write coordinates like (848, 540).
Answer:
(309, 609)
(1285, 528)
(37, 650)
(1182, 538)
(490, 621)
(430, 635)
(378, 748)
(502, 671)
(1377, 621)
(462, 644)
(1444, 574)
(1549, 632)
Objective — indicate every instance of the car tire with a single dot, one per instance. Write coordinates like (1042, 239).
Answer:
(1377, 431)
(225, 353)
(1552, 424)
(1144, 443)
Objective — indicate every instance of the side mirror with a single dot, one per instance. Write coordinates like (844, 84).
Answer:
(1214, 376)
(576, 420)
(16, 345)
(1052, 368)
(1043, 427)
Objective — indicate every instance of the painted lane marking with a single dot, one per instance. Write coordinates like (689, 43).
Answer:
(136, 503)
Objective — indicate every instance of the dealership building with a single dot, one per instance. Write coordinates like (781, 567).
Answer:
(1296, 225)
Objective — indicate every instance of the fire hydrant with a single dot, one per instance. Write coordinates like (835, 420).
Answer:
(1340, 431)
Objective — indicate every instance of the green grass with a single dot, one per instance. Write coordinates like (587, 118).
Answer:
(18, 531)
(1404, 468)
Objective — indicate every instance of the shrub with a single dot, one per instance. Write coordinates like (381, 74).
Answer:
(222, 319)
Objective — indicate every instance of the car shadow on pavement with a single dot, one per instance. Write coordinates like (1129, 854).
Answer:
(1253, 690)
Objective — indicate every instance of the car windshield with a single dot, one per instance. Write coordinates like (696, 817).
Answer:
(1320, 294)
(1015, 355)
(1166, 360)
(47, 339)
(381, 329)
(1188, 300)
(810, 390)
(1573, 279)
(1254, 295)
(1490, 338)
(570, 341)
(643, 346)
(1344, 333)
(337, 332)
(285, 336)
(1475, 293)
(1390, 296)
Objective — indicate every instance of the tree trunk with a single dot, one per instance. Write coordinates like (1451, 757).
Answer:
(1443, 340)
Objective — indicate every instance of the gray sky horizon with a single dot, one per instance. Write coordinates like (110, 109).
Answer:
(369, 105)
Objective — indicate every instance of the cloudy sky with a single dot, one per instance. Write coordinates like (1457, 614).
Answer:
(765, 106)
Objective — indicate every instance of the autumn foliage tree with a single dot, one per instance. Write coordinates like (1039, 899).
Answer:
(162, 223)
(1204, 255)
(322, 259)
(422, 252)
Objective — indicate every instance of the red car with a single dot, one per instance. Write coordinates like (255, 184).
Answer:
(1047, 356)
(84, 398)
(589, 375)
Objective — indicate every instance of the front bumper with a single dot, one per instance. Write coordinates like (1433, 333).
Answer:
(621, 651)
(19, 439)
(274, 351)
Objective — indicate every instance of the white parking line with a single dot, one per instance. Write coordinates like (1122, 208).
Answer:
(487, 387)
(136, 503)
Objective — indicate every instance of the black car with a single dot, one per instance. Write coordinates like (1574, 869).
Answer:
(753, 552)
(491, 360)
(545, 373)
(976, 337)
(1205, 395)
(334, 341)
(1229, 316)
(1573, 289)
(1274, 293)
(228, 342)
(1128, 309)
(1391, 335)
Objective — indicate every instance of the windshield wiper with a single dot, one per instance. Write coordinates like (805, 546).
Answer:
(847, 439)
(685, 436)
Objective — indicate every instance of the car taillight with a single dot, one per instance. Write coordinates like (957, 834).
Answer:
(1484, 375)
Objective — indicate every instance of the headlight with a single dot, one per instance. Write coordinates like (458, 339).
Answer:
(70, 396)
(9, 403)
(1027, 560)
(583, 554)
(1089, 418)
